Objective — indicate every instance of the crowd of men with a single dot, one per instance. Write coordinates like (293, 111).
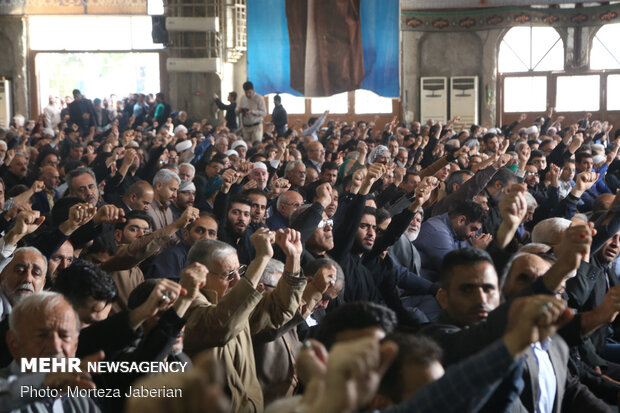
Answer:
(332, 267)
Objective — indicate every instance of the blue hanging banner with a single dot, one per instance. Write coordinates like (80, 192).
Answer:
(323, 47)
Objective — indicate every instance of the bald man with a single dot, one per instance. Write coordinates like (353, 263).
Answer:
(137, 198)
(288, 202)
(525, 269)
(44, 201)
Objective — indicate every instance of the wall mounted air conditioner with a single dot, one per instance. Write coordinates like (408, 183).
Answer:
(464, 99)
(434, 99)
(192, 24)
(196, 65)
(5, 103)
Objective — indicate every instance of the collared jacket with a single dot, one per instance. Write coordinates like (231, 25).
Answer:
(123, 267)
(224, 327)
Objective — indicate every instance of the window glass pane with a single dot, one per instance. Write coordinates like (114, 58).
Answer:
(577, 93)
(141, 37)
(113, 33)
(547, 49)
(294, 105)
(97, 75)
(613, 97)
(369, 102)
(335, 104)
(525, 94)
(514, 50)
(605, 53)
(536, 48)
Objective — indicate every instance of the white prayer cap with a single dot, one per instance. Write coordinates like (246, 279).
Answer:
(531, 129)
(259, 165)
(179, 129)
(183, 146)
(187, 186)
(239, 143)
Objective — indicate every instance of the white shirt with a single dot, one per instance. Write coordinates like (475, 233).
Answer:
(52, 115)
(256, 105)
(547, 381)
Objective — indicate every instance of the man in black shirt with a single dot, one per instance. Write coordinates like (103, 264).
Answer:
(279, 117)
(231, 116)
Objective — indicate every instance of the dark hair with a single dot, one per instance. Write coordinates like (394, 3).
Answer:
(457, 177)
(382, 214)
(82, 280)
(472, 211)
(409, 173)
(136, 214)
(239, 199)
(503, 175)
(370, 211)
(44, 154)
(248, 86)
(160, 95)
(579, 156)
(141, 293)
(537, 154)
(254, 158)
(103, 243)
(463, 256)
(329, 165)
(412, 349)
(255, 191)
(545, 142)
(233, 95)
(277, 98)
(355, 316)
(16, 190)
(217, 159)
(312, 120)
(488, 136)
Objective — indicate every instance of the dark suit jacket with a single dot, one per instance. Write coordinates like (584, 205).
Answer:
(309, 164)
(571, 395)
(41, 203)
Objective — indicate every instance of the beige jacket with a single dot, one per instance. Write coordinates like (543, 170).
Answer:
(123, 267)
(225, 328)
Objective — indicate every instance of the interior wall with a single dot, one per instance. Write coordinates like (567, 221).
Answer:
(13, 63)
(450, 54)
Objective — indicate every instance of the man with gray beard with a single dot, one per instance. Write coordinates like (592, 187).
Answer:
(403, 251)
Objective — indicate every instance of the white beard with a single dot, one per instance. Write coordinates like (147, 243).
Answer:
(412, 236)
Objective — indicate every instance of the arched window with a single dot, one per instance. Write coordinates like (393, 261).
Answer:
(605, 53)
(531, 49)
(528, 50)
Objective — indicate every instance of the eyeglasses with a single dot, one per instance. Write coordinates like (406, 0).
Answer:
(531, 173)
(230, 275)
(325, 222)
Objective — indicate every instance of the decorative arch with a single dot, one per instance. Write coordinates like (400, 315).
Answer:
(531, 49)
(605, 50)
